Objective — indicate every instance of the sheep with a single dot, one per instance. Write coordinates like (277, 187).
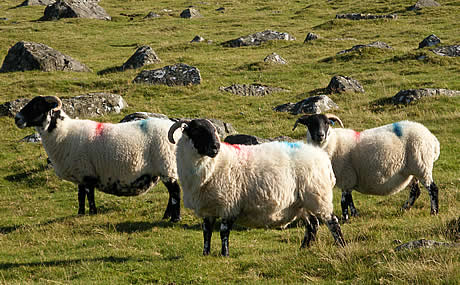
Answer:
(379, 161)
(265, 185)
(123, 159)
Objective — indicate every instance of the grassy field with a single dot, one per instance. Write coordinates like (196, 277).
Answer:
(44, 241)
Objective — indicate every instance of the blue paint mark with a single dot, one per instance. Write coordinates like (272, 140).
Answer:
(397, 129)
(292, 145)
(143, 125)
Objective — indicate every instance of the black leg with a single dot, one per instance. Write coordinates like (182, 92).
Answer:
(351, 204)
(208, 225)
(91, 201)
(433, 191)
(311, 227)
(81, 199)
(414, 194)
(225, 228)
(173, 209)
(334, 227)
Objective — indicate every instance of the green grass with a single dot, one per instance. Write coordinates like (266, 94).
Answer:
(44, 241)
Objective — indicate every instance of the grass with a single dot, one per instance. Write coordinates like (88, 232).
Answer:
(44, 241)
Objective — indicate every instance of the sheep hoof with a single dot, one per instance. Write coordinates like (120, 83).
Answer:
(92, 211)
(175, 219)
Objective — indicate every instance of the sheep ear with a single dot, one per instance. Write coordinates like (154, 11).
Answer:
(302, 120)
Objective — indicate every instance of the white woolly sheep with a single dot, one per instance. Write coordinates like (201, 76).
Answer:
(265, 185)
(378, 161)
(123, 159)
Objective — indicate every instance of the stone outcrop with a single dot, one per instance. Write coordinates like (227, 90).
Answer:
(197, 39)
(178, 74)
(340, 84)
(450, 51)
(37, 3)
(424, 4)
(429, 41)
(258, 38)
(84, 106)
(36, 56)
(190, 13)
(89, 9)
(312, 105)
(410, 95)
(151, 15)
(275, 58)
(359, 16)
(144, 55)
(311, 37)
(423, 243)
(251, 89)
(377, 44)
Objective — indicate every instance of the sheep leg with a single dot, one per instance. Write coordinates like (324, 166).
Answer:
(91, 201)
(414, 194)
(311, 227)
(173, 209)
(433, 191)
(225, 228)
(208, 225)
(83, 192)
(334, 227)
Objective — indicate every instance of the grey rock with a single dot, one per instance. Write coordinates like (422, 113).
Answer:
(410, 95)
(178, 74)
(3, 19)
(220, 9)
(85, 106)
(312, 105)
(424, 4)
(142, 116)
(36, 56)
(190, 13)
(152, 15)
(144, 55)
(37, 3)
(429, 41)
(89, 9)
(423, 243)
(33, 138)
(450, 51)
(376, 44)
(311, 37)
(359, 16)
(197, 39)
(251, 89)
(258, 38)
(275, 58)
(253, 140)
(340, 84)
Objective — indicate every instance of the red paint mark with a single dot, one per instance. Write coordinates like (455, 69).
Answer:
(99, 129)
(357, 135)
(233, 145)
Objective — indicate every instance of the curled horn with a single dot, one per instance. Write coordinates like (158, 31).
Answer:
(54, 99)
(301, 120)
(334, 118)
(174, 127)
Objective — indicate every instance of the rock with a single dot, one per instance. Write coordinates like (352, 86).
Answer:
(144, 55)
(424, 4)
(152, 15)
(274, 58)
(407, 96)
(244, 139)
(86, 106)
(197, 39)
(33, 138)
(429, 41)
(36, 56)
(251, 89)
(423, 243)
(377, 44)
(447, 50)
(37, 3)
(340, 84)
(220, 9)
(311, 37)
(178, 74)
(258, 38)
(142, 116)
(190, 13)
(89, 9)
(359, 16)
(312, 105)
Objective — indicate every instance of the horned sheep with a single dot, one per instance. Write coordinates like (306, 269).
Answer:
(123, 159)
(265, 185)
(378, 161)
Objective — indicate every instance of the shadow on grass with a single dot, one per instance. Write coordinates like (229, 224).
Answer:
(9, 229)
(111, 259)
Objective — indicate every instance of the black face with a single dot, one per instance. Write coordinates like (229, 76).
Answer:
(204, 138)
(34, 113)
(318, 127)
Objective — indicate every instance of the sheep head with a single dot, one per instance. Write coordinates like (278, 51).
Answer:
(318, 126)
(201, 133)
(35, 113)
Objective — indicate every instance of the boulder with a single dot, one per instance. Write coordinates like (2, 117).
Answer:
(429, 41)
(410, 95)
(424, 4)
(151, 15)
(190, 13)
(377, 44)
(197, 39)
(89, 9)
(311, 37)
(275, 58)
(423, 243)
(37, 3)
(144, 55)
(178, 74)
(312, 105)
(340, 84)
(251, 89)
(450, 51)
(86, 106)
(36, 56)
(33, 138)
(258, 38)
(253, 140)
(359, 16)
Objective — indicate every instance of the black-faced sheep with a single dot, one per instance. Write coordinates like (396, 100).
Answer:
(378, 161)
(121, 159)
(265, 185)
